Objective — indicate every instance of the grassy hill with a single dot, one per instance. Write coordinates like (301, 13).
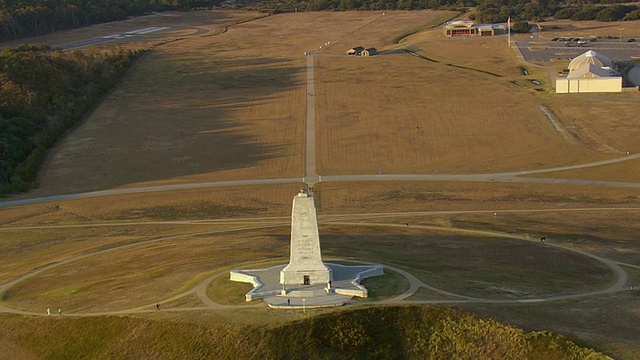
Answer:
(399, 332)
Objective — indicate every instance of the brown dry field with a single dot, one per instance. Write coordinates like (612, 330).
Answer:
(41, 234)
(231, 106)
(391, 112)
(405, 114)
(208, 108)
(143, 274)
(140, 275)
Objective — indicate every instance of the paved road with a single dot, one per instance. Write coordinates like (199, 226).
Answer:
(137, 190)
(105, 39)
(488, 177)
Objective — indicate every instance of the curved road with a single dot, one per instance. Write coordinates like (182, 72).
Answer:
(414, 283)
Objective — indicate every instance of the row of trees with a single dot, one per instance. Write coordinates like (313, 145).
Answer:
(600, 13)
(42, 94)
(20, 18)
(489, 11)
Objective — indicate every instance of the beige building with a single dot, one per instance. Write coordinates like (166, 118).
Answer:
(360, 51)
(369, 52)
(590, 72)
(469, 28)
(355, 51)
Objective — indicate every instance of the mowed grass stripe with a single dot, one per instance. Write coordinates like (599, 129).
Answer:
(402, 114)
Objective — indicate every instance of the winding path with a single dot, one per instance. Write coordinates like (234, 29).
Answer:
(200, 290)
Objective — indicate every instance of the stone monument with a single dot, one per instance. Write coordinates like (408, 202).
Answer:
(306, 281)
(305, 262)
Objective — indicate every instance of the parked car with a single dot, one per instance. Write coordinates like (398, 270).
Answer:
(554, 39)
(631, 40)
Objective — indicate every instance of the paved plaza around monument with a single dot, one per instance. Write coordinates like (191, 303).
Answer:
(306, 276)
(271, 291)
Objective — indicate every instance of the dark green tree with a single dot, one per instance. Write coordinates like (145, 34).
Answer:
(521, 27)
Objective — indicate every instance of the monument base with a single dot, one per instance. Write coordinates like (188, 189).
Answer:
(346, 282)
(305, 277)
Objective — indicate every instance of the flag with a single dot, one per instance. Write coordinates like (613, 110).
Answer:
(509, 22)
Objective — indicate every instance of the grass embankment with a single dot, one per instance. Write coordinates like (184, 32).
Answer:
(415, 332)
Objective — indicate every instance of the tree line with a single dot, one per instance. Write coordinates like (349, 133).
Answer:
(603, 10)
(487, 11)
(42, 94)
(21, 18)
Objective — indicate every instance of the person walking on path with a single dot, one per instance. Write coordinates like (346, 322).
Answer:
(158, 307)
(48, 311)
(60, 311)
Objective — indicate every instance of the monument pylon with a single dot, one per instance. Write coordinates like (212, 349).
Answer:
(305, 263)
(306, 277)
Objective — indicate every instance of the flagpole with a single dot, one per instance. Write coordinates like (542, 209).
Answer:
(509, 29)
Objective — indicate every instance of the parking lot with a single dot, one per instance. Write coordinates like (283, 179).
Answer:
(546, 50)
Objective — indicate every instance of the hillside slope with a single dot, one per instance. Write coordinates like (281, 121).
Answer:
(409, 332)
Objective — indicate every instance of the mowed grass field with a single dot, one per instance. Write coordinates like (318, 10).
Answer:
(461, 112)
(207, 108)
(404, 114)
(155, 270)
(170, 249)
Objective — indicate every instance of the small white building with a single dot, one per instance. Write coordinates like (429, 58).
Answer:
(590, 72)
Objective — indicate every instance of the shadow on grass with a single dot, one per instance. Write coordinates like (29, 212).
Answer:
(486, 267)
(179, 115)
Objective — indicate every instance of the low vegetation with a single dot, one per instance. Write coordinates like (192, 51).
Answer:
(413, 332)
